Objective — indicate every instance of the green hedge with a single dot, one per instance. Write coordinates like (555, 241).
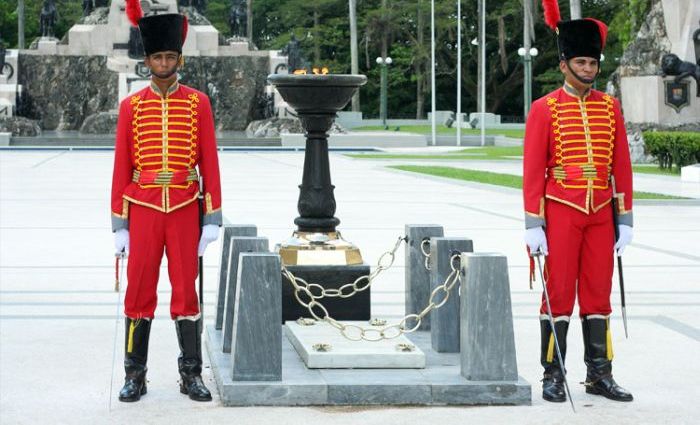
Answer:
(673, 148)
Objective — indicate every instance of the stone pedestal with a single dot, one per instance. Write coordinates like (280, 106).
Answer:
(417, 276)
(229, 231)
(643, 101)
(488, 342)
(239, 245)
(444, 321)
(356, 307)
(48, 46)
(256, 354)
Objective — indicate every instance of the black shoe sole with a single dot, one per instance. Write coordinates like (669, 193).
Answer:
(594, 391)
(553, 400)
(135, 398)
(183, 390)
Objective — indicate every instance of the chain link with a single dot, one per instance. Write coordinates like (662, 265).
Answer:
(315, 292)
(426, 252)
(438, 298)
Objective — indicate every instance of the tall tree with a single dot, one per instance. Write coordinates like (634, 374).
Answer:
(352, 5)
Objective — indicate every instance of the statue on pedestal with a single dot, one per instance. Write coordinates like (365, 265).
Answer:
(238, 18)
(88, 7)
(295, 60)
(671, 64)
(48, 18)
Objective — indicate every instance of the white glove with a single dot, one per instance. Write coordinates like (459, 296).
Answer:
(536, 240)
(624, 239)
(121, 241)
(210, 233)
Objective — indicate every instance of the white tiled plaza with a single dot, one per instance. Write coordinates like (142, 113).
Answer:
(58, 308)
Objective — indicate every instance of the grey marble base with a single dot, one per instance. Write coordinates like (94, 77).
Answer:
(239, 244)
(256, 343)
(440, 383)
(444, 328)
(417, 276)
(488, 341)
(229, 231)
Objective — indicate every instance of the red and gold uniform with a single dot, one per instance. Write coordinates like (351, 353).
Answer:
(573, 145)
(575, 154)
(165, 142)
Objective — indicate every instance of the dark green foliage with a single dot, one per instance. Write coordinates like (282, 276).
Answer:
(322, 26)
(669, 148)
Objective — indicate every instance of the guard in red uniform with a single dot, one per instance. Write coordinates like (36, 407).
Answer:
(165, 148)
(575, 148)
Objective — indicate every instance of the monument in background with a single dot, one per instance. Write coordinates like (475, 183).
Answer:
(76, 83)
(650, 94)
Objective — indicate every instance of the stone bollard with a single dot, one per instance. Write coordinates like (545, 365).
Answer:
(256, 353)
(239, 245)
(417, 276)
(229, 231)
(444, 321)
(488, 343)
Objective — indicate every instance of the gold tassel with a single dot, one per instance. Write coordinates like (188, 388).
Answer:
(608, 340)
(550, 348)
(130, 344)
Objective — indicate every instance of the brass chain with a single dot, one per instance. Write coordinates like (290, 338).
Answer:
(359, 333)
(426, 253)
(314, 291)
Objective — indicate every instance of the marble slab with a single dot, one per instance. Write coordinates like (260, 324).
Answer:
(445, 322)
(438, 384)
(487, 337)
(344, 353)
(416, 275)
(229, 231)
(256, 350)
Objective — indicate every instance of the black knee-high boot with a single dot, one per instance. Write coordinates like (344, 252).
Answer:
(135, 357)
(598, 358)
(190, 359)
(553, 380)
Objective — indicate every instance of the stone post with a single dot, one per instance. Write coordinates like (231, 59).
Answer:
(239, 245)
(444, 321)
(417, 276)
(488, 343)
(229, 230)
(256, 354)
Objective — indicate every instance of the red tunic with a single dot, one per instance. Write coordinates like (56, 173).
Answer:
(572, 145)
(160, 140)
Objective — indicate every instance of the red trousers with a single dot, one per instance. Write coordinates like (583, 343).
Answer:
(580, 260)
(151, 232)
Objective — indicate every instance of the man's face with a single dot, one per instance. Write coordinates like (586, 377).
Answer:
(580, 69)
(163, 64)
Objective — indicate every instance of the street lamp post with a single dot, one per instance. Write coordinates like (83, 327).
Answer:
(383, 63)
(527, 55)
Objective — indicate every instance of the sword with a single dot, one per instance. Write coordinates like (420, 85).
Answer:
(201, 258)
(619, 257)
(537, 255)
(118, 276)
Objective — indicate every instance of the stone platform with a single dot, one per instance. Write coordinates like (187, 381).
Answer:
(440, 383)
(395, 353)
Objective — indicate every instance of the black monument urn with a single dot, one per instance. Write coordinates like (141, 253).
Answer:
(316, 99)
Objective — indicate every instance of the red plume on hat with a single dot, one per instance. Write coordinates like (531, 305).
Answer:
(551, 13)
(134, 11)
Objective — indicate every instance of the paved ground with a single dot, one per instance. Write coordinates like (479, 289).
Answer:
(57, 307)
